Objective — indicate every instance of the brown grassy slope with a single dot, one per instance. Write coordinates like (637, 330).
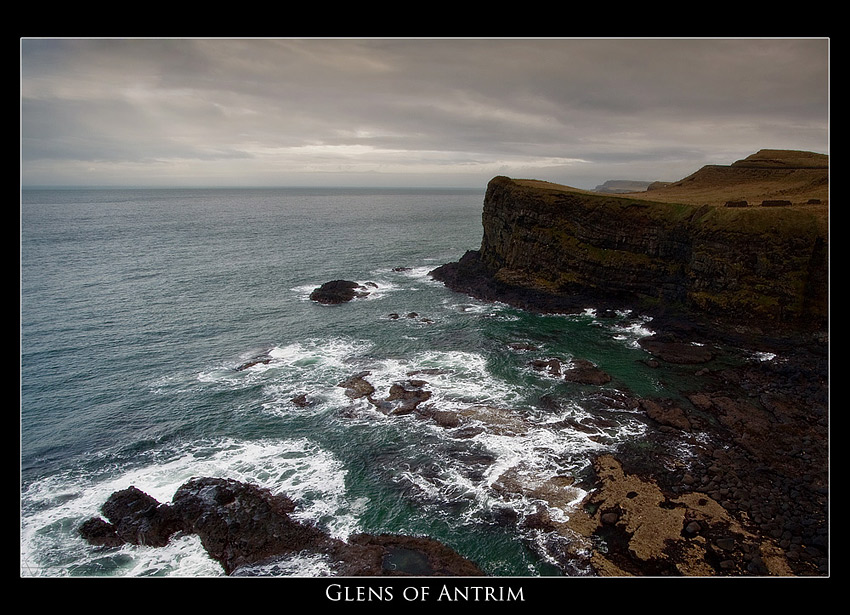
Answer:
(791, 175)
(766, 175)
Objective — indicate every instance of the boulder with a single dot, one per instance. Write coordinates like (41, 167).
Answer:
(357, 386)
(241, 524)
(553, 366)
(100, 533)
(406, 396)
(338, 291)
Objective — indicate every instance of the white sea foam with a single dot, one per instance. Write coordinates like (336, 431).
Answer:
(417, 273)
(310, 362)
(633, 332)
(298, 565)
(463, 378)
(523, 460)
(56, 505)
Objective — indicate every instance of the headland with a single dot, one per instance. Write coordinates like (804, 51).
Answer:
(728, 261)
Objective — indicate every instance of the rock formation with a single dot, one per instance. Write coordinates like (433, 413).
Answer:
(246, 529)
(338, 291)
(676, 249)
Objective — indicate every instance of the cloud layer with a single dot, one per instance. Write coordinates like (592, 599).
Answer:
(411, 112)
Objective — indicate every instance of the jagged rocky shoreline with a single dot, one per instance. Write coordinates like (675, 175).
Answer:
(753, 502)
(754, 499)
(247, 529)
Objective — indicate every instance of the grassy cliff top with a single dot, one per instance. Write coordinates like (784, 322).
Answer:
(798, 177)
(791, 175)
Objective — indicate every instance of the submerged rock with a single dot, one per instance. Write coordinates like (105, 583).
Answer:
(553, 366)
(261, 360)
(682, 353)
(580, 371)
(585, 372)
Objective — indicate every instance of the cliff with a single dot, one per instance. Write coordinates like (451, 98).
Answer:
(729, 260)
(708, 246)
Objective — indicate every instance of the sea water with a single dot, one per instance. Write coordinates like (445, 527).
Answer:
(139, 309)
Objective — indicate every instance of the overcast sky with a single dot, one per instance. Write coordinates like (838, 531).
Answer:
(411, 112)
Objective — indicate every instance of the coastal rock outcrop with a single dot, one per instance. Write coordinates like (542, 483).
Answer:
(727, 277)
(649, 532)
(554, 248)
(247, 529)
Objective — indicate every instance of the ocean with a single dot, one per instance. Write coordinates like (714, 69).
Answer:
(166, 333)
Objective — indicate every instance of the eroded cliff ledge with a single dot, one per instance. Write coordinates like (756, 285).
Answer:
(741, 247)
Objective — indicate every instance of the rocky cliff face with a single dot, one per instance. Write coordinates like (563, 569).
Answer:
(753, 265)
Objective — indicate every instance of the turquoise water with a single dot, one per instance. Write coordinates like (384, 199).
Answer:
(139, 306)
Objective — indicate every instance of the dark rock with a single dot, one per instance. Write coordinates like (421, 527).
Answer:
(241, 524)
(522, 346)
(584, 372)
(301, 401)
(553, 366)
(357, 386)
(140, 519)
(338, 291)
(415, 556)
(677, 352)
(406, 396)
(245, 527)
(100, 533)
(256, 361)
(666, 414)
(446, 418)
(431, 371)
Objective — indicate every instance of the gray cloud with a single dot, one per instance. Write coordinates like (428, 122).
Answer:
(411, 111)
